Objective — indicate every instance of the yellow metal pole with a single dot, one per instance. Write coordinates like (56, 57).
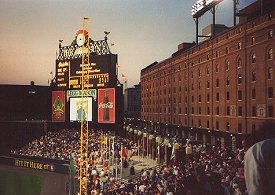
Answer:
(84, 154)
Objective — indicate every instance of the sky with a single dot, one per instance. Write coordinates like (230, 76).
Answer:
(142, 31)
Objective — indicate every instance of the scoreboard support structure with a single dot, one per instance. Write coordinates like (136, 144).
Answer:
(84, 134)
(86, 91)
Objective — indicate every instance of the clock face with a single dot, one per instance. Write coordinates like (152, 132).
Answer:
(80, 39)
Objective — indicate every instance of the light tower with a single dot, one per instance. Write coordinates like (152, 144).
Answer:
(84, 154)
(198, 9)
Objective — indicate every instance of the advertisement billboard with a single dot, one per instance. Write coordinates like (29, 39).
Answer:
(106, 105)
(77, 110)
(58, 106)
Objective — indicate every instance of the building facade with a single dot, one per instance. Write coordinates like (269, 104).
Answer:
(222, 85)
(24, 102)
(132, 102)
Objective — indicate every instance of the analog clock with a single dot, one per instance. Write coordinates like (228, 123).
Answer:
(80, 39)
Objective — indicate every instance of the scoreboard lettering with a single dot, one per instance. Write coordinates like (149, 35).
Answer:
(62, 73)
(101, 70)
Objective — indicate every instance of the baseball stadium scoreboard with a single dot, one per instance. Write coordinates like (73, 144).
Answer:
(101, 70)
(102, 91)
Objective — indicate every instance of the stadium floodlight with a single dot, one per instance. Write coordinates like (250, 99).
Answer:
(202, 6)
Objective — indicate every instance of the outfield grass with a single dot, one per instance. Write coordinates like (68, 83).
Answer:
(18, 183)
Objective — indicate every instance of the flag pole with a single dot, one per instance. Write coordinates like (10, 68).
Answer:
(116, 166)
(121, 168)
(147, 149)
(138, 151)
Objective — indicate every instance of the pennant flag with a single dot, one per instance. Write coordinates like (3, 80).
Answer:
(175, 147)
(122, 75)
(173, 153)
(113, 145)
(105, 140)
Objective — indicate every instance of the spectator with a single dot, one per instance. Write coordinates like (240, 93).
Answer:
(260, 168)
(132, 170)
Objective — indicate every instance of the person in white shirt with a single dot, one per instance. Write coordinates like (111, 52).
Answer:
(141, 188)
(101, 173)
(94, 172)
(259, 168)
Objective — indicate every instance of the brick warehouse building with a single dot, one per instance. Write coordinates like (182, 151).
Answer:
(220, 87)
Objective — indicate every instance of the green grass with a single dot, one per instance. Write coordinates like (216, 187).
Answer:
(18, 183)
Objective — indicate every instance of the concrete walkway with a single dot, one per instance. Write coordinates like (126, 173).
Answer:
(139, 163)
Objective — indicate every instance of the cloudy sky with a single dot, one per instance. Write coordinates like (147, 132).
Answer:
(143, 31)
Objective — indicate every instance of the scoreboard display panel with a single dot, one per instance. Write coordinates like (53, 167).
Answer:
(102, 72)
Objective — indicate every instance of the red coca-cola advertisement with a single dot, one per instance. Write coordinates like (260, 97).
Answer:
(106, 105)
(58, 106)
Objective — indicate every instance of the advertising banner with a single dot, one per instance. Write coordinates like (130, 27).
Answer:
(58, 106)
(81, 110)
(106, 105)
(78, 93)
(37, 163)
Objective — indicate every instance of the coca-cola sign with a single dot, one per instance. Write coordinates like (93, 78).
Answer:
(106, 105)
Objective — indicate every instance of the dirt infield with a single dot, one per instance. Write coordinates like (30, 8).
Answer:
(52, 183)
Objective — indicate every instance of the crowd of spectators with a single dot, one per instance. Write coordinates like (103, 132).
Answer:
(207, 170)
(64, 144)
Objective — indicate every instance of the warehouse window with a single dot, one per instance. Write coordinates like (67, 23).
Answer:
(270, 54)
(253, 76)
(217, 68)
(270, 111)
(270, 73)
(217, 125)
(227, 65)
(227, 95)
(227, 81)
(270, 92)
(240, 111)
(226, 50)
(217, 83)
(254, 111)
(240, 128)
(228, 111)
(253, 40)
(199, 122)
(240, 95)
(239, 62)
(227, 126)
(208, 110)
(253, 94)
(207, 70)
(217, 97)
(240, 79)
(253, 58)
(218, 111)
(270, 34)
(239, 45)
